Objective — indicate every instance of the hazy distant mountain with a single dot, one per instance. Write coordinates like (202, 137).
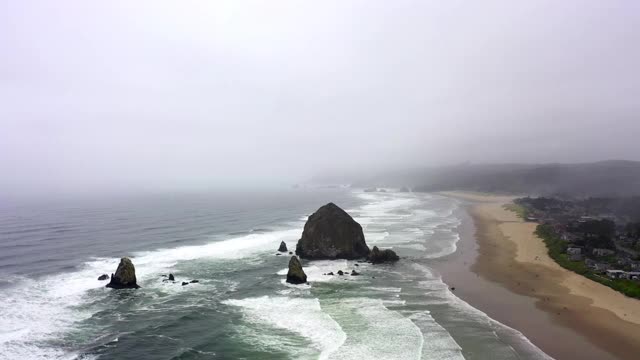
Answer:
(605, 178)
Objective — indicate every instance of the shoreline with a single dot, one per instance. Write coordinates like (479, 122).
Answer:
(503, 269)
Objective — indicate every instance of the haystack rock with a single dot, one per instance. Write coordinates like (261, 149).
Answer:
(296, 275)
(377, 256)
(125, 276)
(283, 247)
(331, 233)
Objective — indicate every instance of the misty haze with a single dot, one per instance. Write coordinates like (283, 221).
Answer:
(320, 180)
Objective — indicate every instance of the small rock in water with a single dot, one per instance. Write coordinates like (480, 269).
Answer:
(453, 288)
(354, 273)
(194, 281)
(340, 272)
(290, 252)
(357, 264)
(185, 283)
(103, 277)
(125, 276)
(296, 274)
(330, 273)
(283, 247)
(278, 254)
(171, 278)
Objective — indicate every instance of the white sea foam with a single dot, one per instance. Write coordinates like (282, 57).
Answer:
(300, 316)
(35, 312)
(440, 294)
(373, 331)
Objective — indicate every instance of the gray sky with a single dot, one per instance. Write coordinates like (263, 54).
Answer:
(181, 94)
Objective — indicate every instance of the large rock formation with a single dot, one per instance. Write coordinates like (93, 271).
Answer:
(283, 247)
(296, 275)
(330, 233)
(125, 276)
(377, 256)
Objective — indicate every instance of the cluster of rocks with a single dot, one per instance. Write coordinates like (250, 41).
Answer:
(171, 278)
(340, 272)
(331, 233)
(377, 256)
(125, 277)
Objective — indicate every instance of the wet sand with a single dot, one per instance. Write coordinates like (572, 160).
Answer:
(502, 268)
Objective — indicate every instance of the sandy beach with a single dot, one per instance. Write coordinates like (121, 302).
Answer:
(511, 278)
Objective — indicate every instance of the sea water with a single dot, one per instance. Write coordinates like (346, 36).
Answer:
(53, 306)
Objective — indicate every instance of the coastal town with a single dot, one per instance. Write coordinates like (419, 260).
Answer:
(598, 238)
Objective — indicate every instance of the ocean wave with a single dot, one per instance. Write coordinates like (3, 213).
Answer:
(300, 316)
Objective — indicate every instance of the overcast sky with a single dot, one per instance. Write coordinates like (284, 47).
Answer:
(192, 94)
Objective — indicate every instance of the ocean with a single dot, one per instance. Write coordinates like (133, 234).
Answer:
(53, 306)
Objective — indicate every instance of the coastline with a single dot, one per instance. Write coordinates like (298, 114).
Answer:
(503, 269)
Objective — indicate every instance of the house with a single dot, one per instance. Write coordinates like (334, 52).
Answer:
(603, 252)
(574, 251)
(632, 275)
(615, 274)
(601, 268)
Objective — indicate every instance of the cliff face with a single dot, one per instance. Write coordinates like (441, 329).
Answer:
(331, 233)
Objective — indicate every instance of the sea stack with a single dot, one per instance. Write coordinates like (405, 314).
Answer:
(283, 247)
(377, 256)
(331, 233)
(125, 276)
(296, 275)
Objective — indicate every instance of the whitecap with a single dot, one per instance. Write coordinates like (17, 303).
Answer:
(301, 316)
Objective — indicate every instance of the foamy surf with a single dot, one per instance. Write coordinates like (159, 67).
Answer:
(300, 316)
(37, 313)
(373, 331)
(390, 311)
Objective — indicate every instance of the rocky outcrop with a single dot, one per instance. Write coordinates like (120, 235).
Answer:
(171, 277)
(185, 283)
(296, 275)
(354, 273)
(340, 272)
(103, 277)
(331, 233)
(125, 276)
(283, 247)
(377, 256)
